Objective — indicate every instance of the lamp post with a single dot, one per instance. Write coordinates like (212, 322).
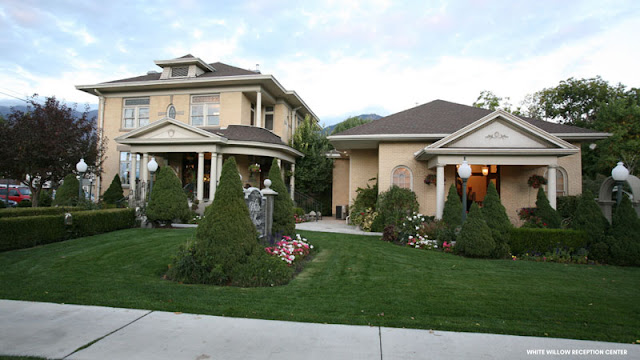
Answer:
(152, 166)
(464, 171)
(90, 186)
(81, 167)
(620, 175)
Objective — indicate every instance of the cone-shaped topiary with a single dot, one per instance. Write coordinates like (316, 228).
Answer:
(496, 217)
(114, 193)
(625, 250)
(589, 218)
(452, 214)
(167, 201)
(475, 239)
(549, 216)
(67, 193)
(284, 222)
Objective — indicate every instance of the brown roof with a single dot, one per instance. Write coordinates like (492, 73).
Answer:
(221, 70)
(247, 133)
(443, 117)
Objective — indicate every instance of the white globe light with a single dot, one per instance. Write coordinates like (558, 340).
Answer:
(620, 173)
(81, 166)
(464, 170)
(152, 165)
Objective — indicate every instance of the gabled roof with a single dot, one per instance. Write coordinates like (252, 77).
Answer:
(441, 118)
(247, 133)
(221, 70)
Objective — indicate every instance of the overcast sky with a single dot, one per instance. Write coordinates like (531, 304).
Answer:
(342, 57)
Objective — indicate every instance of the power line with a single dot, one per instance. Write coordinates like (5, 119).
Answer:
(15, 97)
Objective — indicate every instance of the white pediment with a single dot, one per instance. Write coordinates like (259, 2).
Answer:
(169, 130)
(500, 134)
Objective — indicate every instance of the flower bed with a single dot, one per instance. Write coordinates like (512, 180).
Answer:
(290, 250)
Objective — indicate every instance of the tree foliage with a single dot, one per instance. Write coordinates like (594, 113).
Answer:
(625, 250)
(393, 206)
(114, 193)
(46, 143)
(348, 124)
(67, 193)
(545, 212)
(588, 217)
(283, 220)
(167, 201)
(490, 101)
(475, 239)
(496, 217)
(452, 214)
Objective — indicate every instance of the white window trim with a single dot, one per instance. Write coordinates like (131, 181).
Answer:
(169, 110)
(559, 170)
(410, 175)
(271, 112)
(204, 110)
(137, 170)
(136, 112)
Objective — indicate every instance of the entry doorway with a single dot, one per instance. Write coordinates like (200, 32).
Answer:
(477, 184)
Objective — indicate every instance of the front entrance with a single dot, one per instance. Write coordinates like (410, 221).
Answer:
(477, 184)
(190, 173)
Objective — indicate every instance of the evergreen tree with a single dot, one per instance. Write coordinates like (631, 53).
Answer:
(545, 212)
(452, 214)
(114, 193)
(475, 239)
(45, 199)
(589, 218)
(67, 193)
(167, 201)
(283, 221)
(625, 250)
(496, 217)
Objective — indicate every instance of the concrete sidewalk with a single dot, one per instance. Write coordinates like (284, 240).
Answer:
(333, 226)
(90, 332)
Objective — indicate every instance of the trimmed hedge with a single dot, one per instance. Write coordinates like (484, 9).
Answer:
(37, 211)
(537, 240)
(28, 231)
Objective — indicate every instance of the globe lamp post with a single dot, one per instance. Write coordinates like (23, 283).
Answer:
(81, 167)
(152, 166)
(464, 171)
(619, 175)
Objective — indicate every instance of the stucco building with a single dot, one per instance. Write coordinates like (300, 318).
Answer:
(420, 148)
(191, 116)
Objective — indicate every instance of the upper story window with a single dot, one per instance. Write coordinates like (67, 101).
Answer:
(253, 114)
(136, 112)
(268, 117)
(171, 112)
(181, 71)
(401, 177)
(205, 110)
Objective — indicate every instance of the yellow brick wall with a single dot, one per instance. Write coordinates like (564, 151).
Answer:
(230, 108)
(280, 112)
(340, 190)
(364, 166)
(573, 166)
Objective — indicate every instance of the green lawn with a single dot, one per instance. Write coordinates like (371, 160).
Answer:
(352, 280)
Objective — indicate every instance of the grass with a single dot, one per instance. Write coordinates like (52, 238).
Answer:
(352, 280)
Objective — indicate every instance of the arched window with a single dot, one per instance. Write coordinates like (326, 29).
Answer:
(561, 182)
(402, 177)
(171, 112)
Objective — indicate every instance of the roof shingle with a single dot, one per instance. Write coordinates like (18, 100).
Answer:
(221, 71)
(247, 133)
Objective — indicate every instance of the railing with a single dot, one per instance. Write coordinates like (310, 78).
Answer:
(306, 202)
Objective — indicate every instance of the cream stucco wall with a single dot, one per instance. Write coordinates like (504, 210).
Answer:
(340, 189)
(364, 166)
(572, 164)
(280, 112)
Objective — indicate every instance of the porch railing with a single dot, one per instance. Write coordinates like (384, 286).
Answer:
(306, 202)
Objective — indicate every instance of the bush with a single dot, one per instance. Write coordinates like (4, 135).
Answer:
(625, 250)
(567, 207)
(452, 213)
(541, 241)
(548, 215)
(393, 206)
(45, 199)
(25, 204)
(28, 231)
(366, 198)
(167, 201)
(298, 211)
(389, 234)
(496, 217)
(67, 193)
(114, 193)
(37, 211)
(283, 220)
(588, 218)
(475, 239)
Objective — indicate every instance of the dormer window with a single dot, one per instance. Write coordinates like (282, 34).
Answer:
(181, 71)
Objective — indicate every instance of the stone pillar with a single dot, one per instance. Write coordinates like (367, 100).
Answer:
(258, 108)
(440, 191)
(213, 176)
(269, 200)
(144, 176)
(292, 181)
(132, 177)
(219, 167)
(200, 190)
(551, 185)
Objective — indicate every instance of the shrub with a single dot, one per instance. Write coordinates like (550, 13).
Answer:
(67, 193)
(389, 234)
(114, 193)
(496, 217)
(625, 250)
(366, 198)
(567, 208)
(167, 201)
(94, 222)
(298, 211)
(283, 220)
(393, 206)
(475, 238)
(540, 241)
(45, 199)
(25, 204)
(548, 215)
(588, 218)
(411, 227)
(37, 211)
(452, 213)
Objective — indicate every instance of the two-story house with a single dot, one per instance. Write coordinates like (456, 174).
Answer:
(192, 116)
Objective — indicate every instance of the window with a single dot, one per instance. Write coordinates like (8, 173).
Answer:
(125, 167)
(253, 114)
(268, 117)
(561, 181)
(171, 112)
(401, 177)
(136, 113)
(179, 71)
(205, 110)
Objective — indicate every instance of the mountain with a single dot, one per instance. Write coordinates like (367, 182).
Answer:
(6, 110)
(327, 130)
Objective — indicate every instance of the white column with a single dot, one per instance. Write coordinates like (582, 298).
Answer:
(144, 174)
(200, 190)
(219, 167)
(439, 190)
(292, 181)
(259, 109)
(551, 185)
(213, 176)
(132, 175)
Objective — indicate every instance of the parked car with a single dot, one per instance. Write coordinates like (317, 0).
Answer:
(17, 193)
(10, 204)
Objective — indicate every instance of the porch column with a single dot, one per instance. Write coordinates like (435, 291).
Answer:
(219, 167)
(259, 108)
(213, 176)
(144, 175)
(132, 175)
(292, 181)
(439, 190)
(200, 191)
(551, 185)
